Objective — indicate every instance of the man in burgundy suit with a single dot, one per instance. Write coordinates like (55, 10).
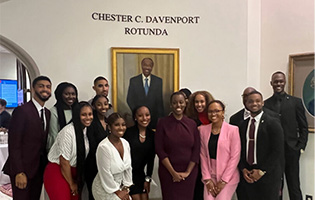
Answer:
(27, 143)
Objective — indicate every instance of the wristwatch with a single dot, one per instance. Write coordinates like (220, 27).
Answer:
(148, 179)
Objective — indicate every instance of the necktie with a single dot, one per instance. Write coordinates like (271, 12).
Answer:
(251, 143)
(146, 86)
(42, 118)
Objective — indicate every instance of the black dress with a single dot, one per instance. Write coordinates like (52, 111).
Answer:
(142, 154)
(96, 134)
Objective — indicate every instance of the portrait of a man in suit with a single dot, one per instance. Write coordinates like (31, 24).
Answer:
(147, 89)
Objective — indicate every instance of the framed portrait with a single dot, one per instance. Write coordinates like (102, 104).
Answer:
(301, 83)
(127, 66)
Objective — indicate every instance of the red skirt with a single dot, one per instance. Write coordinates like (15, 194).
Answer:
(56, 185)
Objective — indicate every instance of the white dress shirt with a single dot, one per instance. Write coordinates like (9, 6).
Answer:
(257, 122)
(149, 80)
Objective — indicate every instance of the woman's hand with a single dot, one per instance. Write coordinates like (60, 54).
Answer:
(184, 175)
(210, 187)
(74, 189)
(219, 187)
(122, 194)
(176, 177)
(146, 187)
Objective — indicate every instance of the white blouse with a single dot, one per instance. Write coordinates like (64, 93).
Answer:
(112, 170)
(66, 146)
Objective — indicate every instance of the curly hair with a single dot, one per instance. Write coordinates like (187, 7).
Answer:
(191, 110)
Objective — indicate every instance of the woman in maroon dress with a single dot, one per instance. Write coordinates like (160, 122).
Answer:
(177, 144)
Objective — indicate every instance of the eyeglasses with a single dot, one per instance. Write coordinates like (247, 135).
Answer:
(214, 111)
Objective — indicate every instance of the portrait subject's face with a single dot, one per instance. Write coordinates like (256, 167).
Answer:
(278, 82)
(147, 67)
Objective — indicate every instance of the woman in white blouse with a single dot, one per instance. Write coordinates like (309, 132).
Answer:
(113, 160)
(63, 177)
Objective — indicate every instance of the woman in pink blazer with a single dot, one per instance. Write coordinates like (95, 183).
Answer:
(219, 154)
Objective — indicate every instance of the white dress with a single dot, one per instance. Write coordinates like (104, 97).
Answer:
(113, 172)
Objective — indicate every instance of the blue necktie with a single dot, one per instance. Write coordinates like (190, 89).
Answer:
(146, 86)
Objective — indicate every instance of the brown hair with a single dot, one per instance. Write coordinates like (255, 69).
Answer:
(191, 110)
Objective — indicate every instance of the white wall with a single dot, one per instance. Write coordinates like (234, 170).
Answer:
(68, 45)
(8, 66)
(287, 27)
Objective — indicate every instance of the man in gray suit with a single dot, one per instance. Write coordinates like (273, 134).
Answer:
(146, 90)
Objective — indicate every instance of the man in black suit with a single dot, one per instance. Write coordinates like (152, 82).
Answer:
(146, 89)
(27, 143)
(261, 152)
(292, 116)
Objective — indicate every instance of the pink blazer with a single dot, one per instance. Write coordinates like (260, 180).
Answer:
(228, 153)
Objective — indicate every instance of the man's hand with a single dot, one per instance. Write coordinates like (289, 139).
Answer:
(21, 180)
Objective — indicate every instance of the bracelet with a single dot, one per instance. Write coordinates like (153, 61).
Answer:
(223, 182)
(261, 173)
(208, 181)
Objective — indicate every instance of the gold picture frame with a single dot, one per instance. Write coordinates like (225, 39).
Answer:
(126, 63)
(301, 83)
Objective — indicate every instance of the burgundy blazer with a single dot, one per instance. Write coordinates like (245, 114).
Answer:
(27, 141)
(228, 153)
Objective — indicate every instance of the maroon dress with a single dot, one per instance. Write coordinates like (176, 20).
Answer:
(178, 140)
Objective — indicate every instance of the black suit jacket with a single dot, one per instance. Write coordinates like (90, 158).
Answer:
(154, 100)
(293, 120)
(269, 154)
(27, 142)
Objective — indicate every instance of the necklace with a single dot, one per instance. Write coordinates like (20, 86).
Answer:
(142, 136)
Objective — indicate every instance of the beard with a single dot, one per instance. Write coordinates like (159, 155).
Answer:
(256, 112)
(41, 97)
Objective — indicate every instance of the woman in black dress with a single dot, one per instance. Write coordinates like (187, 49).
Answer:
(141, 140)
(98, 131)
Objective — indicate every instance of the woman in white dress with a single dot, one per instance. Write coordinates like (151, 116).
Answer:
(113, 160)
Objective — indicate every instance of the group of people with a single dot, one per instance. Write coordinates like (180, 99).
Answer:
(200, 155)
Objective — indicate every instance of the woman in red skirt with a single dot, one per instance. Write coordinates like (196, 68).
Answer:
(63, 177)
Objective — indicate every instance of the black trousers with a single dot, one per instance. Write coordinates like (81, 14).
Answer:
(292, 172)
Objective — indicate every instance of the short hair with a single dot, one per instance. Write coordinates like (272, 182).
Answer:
(218, 102)
(148, 59)
(175, 94)
(99, 78)
(40, 78)
(277, 72)
(3, 102)
(255, 92)
(186, 91)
